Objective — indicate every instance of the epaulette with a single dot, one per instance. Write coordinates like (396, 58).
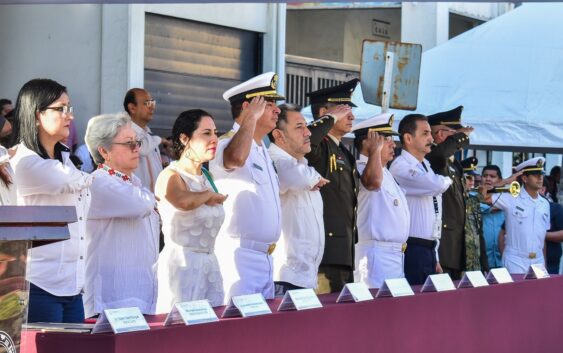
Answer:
(227, 135)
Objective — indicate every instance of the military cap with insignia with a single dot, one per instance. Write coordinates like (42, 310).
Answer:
(451, 118)
(263, 85)
(382, 124)
(341, 94)
(470, 165)
(532, 166)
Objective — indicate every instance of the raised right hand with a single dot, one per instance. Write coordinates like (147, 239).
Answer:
(339, 111)
(254, 109)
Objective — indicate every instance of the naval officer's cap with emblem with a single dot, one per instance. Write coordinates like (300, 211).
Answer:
(263, 85)
(382, 124)
(470, 166)
(450, 118)
(341, 94)
(532, 166)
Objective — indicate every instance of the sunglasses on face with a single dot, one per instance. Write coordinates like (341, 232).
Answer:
(133, 145)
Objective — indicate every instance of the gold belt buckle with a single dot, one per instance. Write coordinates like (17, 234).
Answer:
(404, 247)
(271, 248)
(532, 255)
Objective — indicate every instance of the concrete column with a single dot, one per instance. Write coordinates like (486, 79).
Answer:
(425, 23)
(552, 160)
(114, 57)
(504, 161)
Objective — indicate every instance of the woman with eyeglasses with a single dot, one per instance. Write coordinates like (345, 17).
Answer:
(192, 212)
(123, 226)
(45, 176)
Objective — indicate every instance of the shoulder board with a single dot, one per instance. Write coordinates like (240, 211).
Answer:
(227, 135)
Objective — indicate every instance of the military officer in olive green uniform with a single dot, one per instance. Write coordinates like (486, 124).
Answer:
(475, 248)
(331, 108)
(450, 137)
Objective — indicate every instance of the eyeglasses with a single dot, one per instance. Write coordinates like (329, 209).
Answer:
(65, 109)
(133, 145)
(150, 102)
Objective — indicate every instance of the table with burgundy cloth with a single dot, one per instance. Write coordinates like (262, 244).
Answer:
(524, 316)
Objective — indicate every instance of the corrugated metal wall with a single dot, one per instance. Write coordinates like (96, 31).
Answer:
(304, 75)
(190, 64)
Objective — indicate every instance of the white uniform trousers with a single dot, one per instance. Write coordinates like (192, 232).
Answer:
(519, 262)
(244, 269)
(377, 261)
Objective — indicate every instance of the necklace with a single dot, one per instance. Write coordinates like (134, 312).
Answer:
(115, 173)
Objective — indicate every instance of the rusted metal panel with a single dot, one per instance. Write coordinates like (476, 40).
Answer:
(405, 76)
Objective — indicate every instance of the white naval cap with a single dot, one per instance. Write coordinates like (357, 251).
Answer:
(381, 123)
(262, 85)
(532, 166)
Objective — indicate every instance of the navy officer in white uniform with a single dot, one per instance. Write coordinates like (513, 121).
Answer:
(383, 213)
(243, 170)
(527, 217)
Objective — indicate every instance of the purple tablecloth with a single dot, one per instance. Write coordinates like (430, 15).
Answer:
(525, 316)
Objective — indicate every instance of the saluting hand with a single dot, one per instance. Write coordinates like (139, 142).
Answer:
(374, 142)
(254, 109)
(339, 111)
(510, 179)
(466, 130)
(320, 184)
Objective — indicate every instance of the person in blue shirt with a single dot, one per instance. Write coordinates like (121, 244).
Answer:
(493, 218)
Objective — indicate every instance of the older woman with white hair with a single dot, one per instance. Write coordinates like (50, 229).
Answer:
(122, 227)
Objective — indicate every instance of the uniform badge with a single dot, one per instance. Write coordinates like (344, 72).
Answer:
(257, 167)
(396, 202)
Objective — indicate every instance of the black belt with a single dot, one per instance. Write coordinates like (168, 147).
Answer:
(421, 242)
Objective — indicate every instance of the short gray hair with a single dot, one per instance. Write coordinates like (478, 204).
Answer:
(101, 131)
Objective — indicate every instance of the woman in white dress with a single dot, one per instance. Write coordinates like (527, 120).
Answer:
(45, 176)
(123, 227)
(192, 213)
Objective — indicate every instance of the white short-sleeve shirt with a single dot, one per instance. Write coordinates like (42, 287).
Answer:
(383, 214)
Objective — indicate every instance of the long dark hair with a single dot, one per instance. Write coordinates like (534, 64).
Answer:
(186, 123)
(35, 96)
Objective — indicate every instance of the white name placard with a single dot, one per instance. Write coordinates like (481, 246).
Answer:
(299, 299)
(499, 276)
(357, 292)
(536, 271)
(247, 305)
(121, 320)
(395, 287)
(191, 313)
(473, 279)
(438, 283)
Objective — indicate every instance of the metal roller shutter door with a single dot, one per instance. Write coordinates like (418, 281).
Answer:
(190, 64)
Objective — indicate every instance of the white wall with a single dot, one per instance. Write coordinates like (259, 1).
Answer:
(61, 42)
(97, 51)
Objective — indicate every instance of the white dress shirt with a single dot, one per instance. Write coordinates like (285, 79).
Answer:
(421, 186)
(252, 210)
(527, 221)
(383, 228)
(57, 268)
(301, 246)
(150, 163)
(383, 214)
(252, 220)
(122, 246)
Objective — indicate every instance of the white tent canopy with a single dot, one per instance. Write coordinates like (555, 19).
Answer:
(508, 75)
